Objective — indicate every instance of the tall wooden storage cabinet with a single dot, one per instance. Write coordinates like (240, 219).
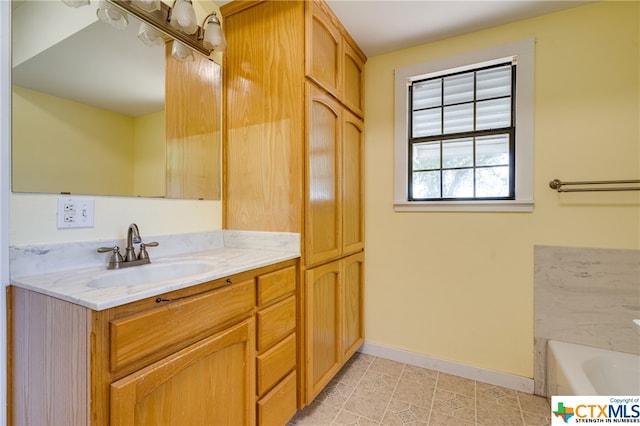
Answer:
(294, 153)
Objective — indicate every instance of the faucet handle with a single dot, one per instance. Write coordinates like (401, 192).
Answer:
(143, 249)
(116, 257)
(114, 249)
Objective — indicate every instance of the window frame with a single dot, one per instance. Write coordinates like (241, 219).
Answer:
(523, 52)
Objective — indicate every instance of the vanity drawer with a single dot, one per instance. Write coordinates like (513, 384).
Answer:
(153, 334)
(276, 284)
(276, 363)
(275, 322)
(279, 405)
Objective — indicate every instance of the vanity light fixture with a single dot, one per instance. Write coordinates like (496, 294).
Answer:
(112, 15)
(160, 20)
(211, 33)
(178, 23)
(183, 16)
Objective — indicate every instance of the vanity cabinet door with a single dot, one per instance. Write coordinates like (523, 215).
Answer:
(209, 383)
(323, 221)
(333, 319)
(353, 79)
(352, 183)
(323, 327)
(352, 301)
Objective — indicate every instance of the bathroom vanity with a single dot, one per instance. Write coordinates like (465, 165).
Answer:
(255, 341)
(208, 351)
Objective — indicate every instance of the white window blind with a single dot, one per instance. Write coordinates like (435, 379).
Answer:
(462, 134)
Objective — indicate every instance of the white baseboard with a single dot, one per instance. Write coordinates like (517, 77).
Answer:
(506, 380)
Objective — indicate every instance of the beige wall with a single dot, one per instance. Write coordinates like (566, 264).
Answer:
(33, 218)
(64, 146)
(149, 155)
(115, 154)
(459, 286)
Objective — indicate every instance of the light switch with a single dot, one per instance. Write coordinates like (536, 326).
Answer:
(75, 212)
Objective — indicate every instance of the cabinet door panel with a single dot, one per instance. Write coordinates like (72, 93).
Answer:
(352, 184)
(323, 222)
(323, 326)
(352, 287)
(324, 44)
(209, 383)
(353, 81)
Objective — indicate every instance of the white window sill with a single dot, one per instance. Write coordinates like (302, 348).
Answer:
(464, 206)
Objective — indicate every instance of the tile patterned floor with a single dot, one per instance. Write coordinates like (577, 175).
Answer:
(377, 391)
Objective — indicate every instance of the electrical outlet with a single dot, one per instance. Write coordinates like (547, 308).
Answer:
(75, 212)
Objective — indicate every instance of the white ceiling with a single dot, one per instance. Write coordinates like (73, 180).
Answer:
(383, 26)
(88, 69)
(88, 66)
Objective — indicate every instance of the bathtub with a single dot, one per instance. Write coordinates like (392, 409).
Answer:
(583, 370)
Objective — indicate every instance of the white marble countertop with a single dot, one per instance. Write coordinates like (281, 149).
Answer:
(235, 253)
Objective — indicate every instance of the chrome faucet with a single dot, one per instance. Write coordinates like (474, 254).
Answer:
(130, 258)
(133, 236)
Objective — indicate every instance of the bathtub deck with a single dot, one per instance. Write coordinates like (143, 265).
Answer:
(582, 370)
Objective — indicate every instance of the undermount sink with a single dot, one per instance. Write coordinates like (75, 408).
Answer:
(151, 273)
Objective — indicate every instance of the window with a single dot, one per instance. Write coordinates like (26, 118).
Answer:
(464, 132)
(461, 137)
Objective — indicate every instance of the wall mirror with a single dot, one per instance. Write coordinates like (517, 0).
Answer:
(89, 113)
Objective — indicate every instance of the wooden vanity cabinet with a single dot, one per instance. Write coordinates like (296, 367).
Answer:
(294, 152)
(334, 327)
(185, 357)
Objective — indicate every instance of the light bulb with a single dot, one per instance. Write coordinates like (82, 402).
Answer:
(150, 36)
(213, 36)
(183, 17)
(112, 15)
(181, 52)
